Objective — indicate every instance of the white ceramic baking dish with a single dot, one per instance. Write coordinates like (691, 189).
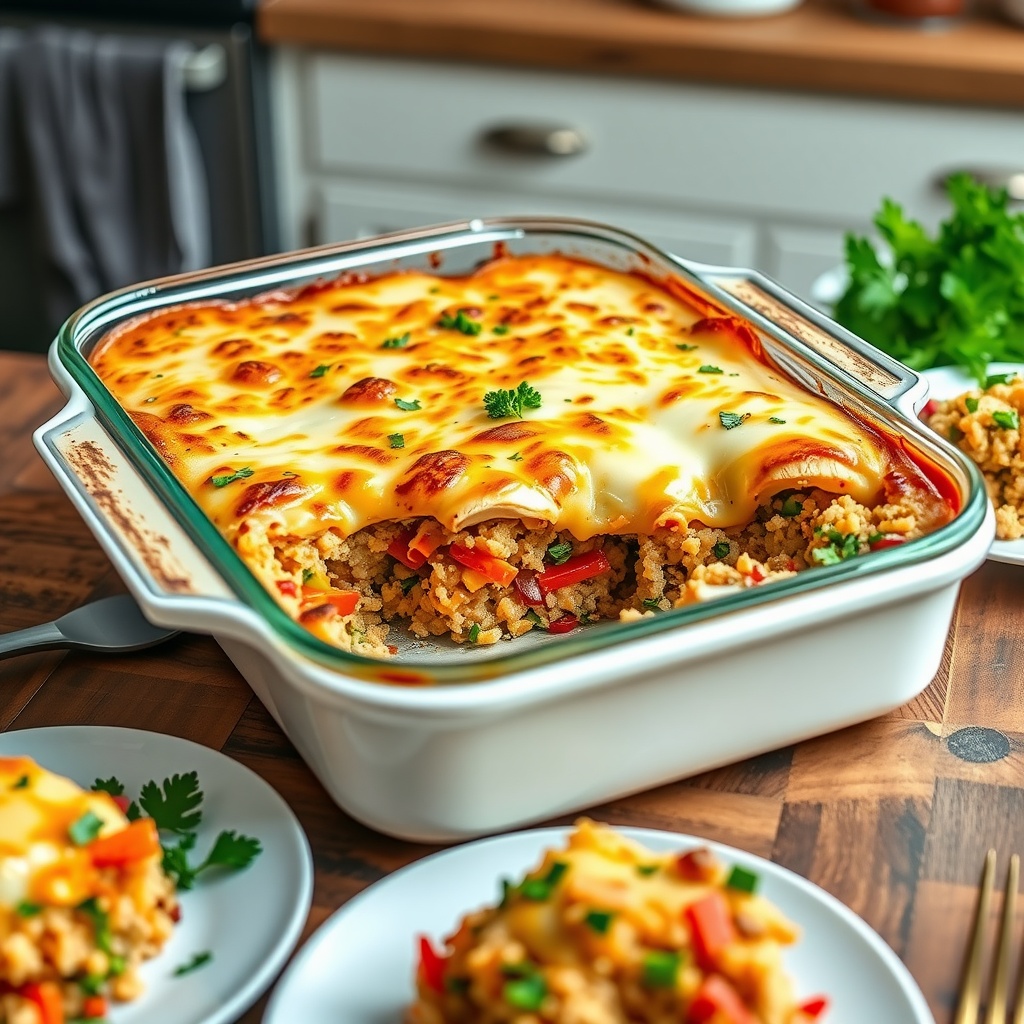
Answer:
(446, 742)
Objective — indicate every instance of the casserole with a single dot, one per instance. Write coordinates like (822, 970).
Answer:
(552, 723)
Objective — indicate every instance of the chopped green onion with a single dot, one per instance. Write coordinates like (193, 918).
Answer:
(742, 880)
(308, 574)
(91, 984)
(776, 419)
(515, 458)
(408, 406)
(526, 993)
(599, 920)
(500, 329)
(629, 331)
(22, 783)
(197, 961)
(999, 378)
(86, 829)
(791, 507)
(1006, 418)
(532, 616)
(229, 478)
(540, 888)
(972, 404)
(660, 968)
(28, 909)
(708, 368)
(400, 342)
(647, 869)
(721, 549)
(320, 370)
(460, 322)
(686, 348)
(474, 632)
(560, 552)
(652, 604)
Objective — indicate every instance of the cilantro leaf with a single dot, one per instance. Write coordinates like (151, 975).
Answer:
(396, 440)
(708, 368)
(198, 960)
(407, 406)
(232, 851)
(100, 923)
(320, 370)
(504, 404)
(560, 552)
(176, 864)
(113, 786)
(174, 806)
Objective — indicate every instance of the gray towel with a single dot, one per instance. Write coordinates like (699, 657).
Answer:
(95, 134)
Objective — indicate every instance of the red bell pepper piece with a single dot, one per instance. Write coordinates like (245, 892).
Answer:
(399, 549)
(529, 589)
(892, 541)
(94, 1007)
(495, 569)
(711, 928)
(431, 965)
(717, 1000)
(813, 1008)
(565, 624)
(757, 574)
(132, 844)
(574, 570)
(288, 588)
(45, 996)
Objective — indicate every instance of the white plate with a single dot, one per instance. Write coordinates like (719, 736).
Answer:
(250, 920)
(950, 381)
(359, 967)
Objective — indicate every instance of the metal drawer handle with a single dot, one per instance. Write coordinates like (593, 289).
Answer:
(995, 177)
(536, 139)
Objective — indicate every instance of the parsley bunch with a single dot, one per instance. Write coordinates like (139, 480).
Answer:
(504, 404)
(175, 807)
(955, 298)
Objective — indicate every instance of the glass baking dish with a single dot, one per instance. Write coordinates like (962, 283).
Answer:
(333, 704)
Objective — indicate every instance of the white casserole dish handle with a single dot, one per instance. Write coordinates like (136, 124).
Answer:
(761, 300)
(162, 567)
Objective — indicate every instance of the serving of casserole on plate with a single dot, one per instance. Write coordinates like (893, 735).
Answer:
(524, 454)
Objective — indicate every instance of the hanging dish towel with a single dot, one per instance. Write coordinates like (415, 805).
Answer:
(95, 134)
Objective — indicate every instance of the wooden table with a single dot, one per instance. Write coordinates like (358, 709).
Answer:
(893, 816)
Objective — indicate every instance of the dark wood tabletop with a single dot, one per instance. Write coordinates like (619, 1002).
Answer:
(892, 816)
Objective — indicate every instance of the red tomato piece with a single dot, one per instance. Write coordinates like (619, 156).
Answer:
(497, 570)
(893, 541)
(431, 965)
(717, 1000)
(94, 1007)
(132, 844)
(565, 624)
(288, 588)
(574, 570)
(399, 549)
(814, 1008)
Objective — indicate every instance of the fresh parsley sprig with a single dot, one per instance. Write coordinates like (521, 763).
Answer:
(511, 404)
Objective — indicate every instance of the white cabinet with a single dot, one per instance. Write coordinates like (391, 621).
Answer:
(722, 175)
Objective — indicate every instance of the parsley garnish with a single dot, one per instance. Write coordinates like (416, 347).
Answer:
(21, 783)
(839, 548)
(515, 458)
(396, 440)
(999, 378)
(502, 404)
(1006, 418)
(408, 583)
(198, 960)
(742, 880)
(791, 507)
(560, 552)
(86, 829)
(230, 850)
(400, 342)
(308, 574)
(972, 404)
(660, 967)
(721, 549)
(652, 604)
(100, 923)
(474, 632)
(175, 806)
(500, 329)
(540, 888)
(91, 984)
(686, 348)
(320, 370)
(732, 419)
(647, 869)
(599, 920)
(460, 322)
(526, 993)
(28, 909)
(408, 406)
(708, 368)
(629, 331)
(240, 474)
(776, 419)
(114, 787)
(532, 616)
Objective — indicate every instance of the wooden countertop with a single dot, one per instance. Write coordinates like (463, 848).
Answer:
(820, 46)
(893, 816)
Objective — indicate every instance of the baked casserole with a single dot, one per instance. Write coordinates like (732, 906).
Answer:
(537, 444)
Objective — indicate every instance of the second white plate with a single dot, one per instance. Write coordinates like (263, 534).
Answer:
(359, 967)
(948, 382)
(250, 921)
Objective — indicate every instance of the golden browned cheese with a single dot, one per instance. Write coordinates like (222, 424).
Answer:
(363, 400)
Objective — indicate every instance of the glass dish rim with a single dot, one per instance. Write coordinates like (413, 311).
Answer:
(293, 269)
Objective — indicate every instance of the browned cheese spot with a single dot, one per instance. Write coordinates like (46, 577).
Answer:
(268, 494)
(256, 373)
(369, 391)
(433, 473)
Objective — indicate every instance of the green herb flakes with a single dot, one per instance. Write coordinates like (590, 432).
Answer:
(460, 322)
(560, 552)
(474, 633)
(840, 547)
(999, 378)
(646, 870)
(174, 806)
(599, 920)
(407, 406)
(527, 990)
(229, 478)
(685, 348)
(500, 330)
(791, 507)
(729, 420)
(100, 923)
(660, 968)
(721, 549)
(460, 986)
(652, 604)
(307, 575)
(516, 457)
(506, 404)
(539, 889)
(532, 616)
(776, 419)
(408, 583)
(197, 961)
(708, 368)
(400, 342)
(20, 783)
(742, 880)
(26, 908)
(320, 370)
(1006, 418)
(85, 829)
(396, 440)
(971, 404)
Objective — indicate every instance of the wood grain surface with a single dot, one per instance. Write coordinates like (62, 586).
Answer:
(820, 46)
(892, 816)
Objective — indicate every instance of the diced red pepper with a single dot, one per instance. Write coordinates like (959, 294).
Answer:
(529, 589)
(45, 996)
(929, 407)
(427, 539)
(495, 569)
(717, 1000)
(343, 602)
(757, 574)
(288, 588)
(893, 541)
(431, 965)
(711, 928)
(132, 844)
(574, 570)
(565, 624)
(94, 1008)
(813, 1008)
(399, 549)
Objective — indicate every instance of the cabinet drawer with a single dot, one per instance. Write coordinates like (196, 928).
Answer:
(818, 157)
(349, 211)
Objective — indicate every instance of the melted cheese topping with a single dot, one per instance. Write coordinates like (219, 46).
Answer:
(38, 859)
(363, 400)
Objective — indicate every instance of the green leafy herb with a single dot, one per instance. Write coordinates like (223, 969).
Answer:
(230, 851)
(646, 869)
(91, 984)
(972, 404)
(117, 963)
(955, 433)
(652, 604)
(515, 458)
(721, 549)
(320, 370)
(457, 985)
(85, 829)
(100, 923)
(999, 378)
(198, 960)
(396, 440)
(660, 968)
(503, 404)
(629, 331)
(685, 348)
(742, 880)
(308, 574)
(408, 583)
(114, 786)
(560, 552)
(174, 806)
(400, 342)
(708, 368)
(840, 547)
(474, 632)
(791, 507)
(460, 322)
(229, 478)
(1008, 419)
(20, 783)
(526, 993)
(599, 920)
(776, 419)
(951, 298)
(408, 406)
(500, 329)
(540, 888)
(532, 616)
(732, 419)
(28, 909)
